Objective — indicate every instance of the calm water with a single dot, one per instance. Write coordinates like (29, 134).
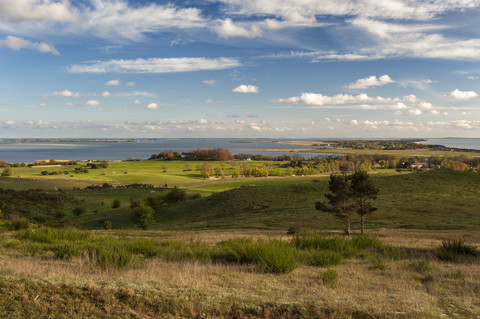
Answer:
(472, 143)
(142, 149)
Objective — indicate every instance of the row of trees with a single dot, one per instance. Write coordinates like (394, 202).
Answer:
(349, 194)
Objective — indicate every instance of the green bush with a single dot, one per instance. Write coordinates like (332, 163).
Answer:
(107, 224)
(113, 258)
(236, 250)
(421, 266)
(276, 256)
(454, 249)
(322, 258)
(66, 250)
(19, 224)
(77, 211)
(116, 203)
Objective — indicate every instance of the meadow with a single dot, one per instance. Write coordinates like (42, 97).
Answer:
(224, 252)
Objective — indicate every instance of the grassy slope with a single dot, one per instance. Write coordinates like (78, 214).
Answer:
(437, 200)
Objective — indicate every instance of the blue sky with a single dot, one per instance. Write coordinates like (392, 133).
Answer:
(239, 68)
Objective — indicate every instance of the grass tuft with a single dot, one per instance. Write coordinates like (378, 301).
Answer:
(453, 250)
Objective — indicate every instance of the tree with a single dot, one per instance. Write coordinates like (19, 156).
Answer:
(340, 201)
(143, 216)
(7, 171)
(363, 190)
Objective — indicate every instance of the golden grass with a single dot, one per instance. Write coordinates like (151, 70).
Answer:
(397, 290)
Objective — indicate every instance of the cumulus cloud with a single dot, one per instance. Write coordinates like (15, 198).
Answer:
(93, 103)
(106, 94)
(137, 102)
(227, 29)
(365, 83)
(20, 43)
(152, 106)
(463, 95)
(43, 104)
(320, 99)
(415, 112)
(246, 89)
(131, 83)
(112, 83)
(35, 10)
(67, 93)
(155, 65)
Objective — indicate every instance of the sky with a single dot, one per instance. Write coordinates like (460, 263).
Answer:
(239, 68)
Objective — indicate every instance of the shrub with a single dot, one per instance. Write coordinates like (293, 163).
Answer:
(66, 250)
(276, 256)
(19, 224)
(175, 195)
(116, 203)
(77, 211)
(7, 171)
(452, 250)
(107, 224)
(237, 250)
(143, 216)
(111, 258)
(322, 258)
(330, 277)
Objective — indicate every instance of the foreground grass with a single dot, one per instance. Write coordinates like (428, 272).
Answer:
(404, 281)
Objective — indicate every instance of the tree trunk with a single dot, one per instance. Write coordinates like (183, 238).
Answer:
(347, 227)
(362, 223)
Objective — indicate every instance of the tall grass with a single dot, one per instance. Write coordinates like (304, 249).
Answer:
(52, 235)
(273, 256)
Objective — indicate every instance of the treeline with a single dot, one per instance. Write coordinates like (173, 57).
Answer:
(214, 154)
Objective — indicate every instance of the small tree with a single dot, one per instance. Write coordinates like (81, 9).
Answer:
(340, 201)
(364, 189)
(116, 203)
(7, 171)
(143, 216)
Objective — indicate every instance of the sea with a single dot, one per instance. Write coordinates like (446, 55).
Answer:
(143, 148)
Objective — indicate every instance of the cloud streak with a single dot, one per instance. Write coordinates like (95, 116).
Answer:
(155, 65)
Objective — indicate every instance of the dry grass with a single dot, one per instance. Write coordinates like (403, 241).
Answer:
(192, 289)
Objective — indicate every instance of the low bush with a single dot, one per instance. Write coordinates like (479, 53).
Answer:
(321, 258)
(454, 249)
(276, 256)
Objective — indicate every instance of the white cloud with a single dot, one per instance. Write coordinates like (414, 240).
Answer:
(434, 112)
(155, 65)
(93, 103)
(320, 99)
(463, 95)
(209, 82)
(425, 105)
(152, 106)
(202, 121)
(67, 93)
(20, 43)
(112, 83)
(69, 104)
(43, 104)
(35, 10)
(10, 123)
(415, 112)
(227, 29)
(371, 81)
(131, 83)
(246, 89)
(137, 102)
(106, 94)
